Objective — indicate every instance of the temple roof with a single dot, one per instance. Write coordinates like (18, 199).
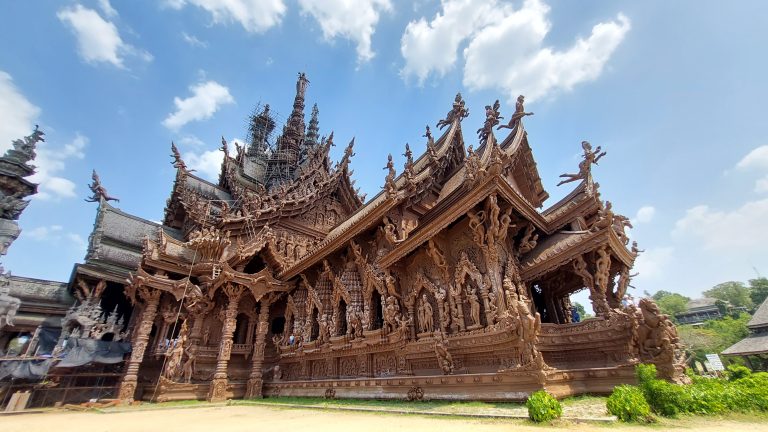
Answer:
(115, 245)
(760, 318)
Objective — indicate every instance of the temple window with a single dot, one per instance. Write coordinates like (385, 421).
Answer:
(341, 327)
(278, 325)
(241, 329)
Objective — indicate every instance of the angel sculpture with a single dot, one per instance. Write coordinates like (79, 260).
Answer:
(518, 115)
(458, 112)
(585, 166)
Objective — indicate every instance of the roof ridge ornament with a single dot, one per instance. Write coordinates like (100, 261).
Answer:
(492, 117)
(390, 188)
(177, 163)
(457, 113)
(585, 166)
(517, 117)
(99, 191)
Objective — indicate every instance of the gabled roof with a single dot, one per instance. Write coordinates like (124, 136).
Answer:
(760, 318)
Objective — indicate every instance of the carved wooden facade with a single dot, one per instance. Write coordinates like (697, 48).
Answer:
(450, 283)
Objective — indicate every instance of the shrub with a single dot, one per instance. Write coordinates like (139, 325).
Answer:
(542, 407)
(736, 372)
(628, 404)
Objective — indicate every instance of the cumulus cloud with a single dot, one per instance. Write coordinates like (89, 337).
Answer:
(44, 232)
(206, 99)
(739, 229)
(645, 214)
(98, 40)
(50, 163)
(208, 163)
(256, 16)
(17, 113)
(353, 20)
(505, 48)
(757, 159)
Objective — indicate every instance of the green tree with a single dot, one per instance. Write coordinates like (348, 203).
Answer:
(758, 290)
(715, 335)
(658, 295)
(671, 303)
(735, 293)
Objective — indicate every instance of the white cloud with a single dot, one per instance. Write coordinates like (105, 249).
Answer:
(193, 41)
(506, 48)
(651, 263)
(645, 214)
(50, 162)
(256, 16)
(725, 231)
(353, 20)
(107, 8)
(55, 234)
(206, 99)
(17, 113)
(44, 232)
(98, 40)
(433, 46)
(208, 163)
(757, 158)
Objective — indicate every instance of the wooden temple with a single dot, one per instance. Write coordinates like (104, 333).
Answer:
(451, 283)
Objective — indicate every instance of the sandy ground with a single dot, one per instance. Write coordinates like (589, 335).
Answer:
(254, 418)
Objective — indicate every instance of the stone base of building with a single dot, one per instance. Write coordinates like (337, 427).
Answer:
(500, 386)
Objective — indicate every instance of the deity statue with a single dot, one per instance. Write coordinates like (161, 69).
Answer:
(474, 305)
(492, 117)
(189, 364)
(635, 250)
(585, 166)
(426, 319)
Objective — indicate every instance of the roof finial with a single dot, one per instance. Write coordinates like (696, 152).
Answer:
(177, 161)
(585, 166)
(390, 188)
(517, 117)
(492, 117)
(457, 113)
(99, 191)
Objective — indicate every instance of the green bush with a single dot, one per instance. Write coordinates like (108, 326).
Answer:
(628, 404)
(742, 392)
(736, 372)
(542, 407)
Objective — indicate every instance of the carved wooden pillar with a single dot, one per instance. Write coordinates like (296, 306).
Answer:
(486, 303)
(412, 320)
(255, 380)
(151, 299)
(218, 390)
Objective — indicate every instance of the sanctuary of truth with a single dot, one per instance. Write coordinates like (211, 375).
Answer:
(280, 280)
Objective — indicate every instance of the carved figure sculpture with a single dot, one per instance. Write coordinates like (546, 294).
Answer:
(635, 250)
(476, 220)
(492, 117)
(391, 314)
(426, 319)
(390, 188)
(605, 217)
(518, 115)
(529, 240)
(189, 364)
(585, 166)
(99, 191)
(658, 340)
(474, 306)
(458, 112)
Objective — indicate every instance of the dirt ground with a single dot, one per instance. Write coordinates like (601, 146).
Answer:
(258, 418)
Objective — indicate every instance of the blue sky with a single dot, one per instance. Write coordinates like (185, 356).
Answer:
(674, 91)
